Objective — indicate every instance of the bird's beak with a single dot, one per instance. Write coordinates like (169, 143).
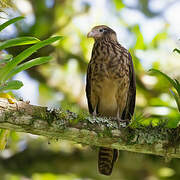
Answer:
(90, 34)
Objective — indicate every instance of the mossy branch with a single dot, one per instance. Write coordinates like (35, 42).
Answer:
(66, 125)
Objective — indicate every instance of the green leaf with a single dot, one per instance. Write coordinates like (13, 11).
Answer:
(158, 38)
(176, 50)
(5, 58)
(4, 134)
(11, 21)
(23, 55)
(119, 4)
(177, 98)
(178, 86)
(18, 41)
(29, 64)
(11, 85)
(140, 44)
(173, 83)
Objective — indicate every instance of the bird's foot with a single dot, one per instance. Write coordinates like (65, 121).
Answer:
(122, 122)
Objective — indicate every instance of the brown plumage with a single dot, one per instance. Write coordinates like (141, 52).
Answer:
(111, 86)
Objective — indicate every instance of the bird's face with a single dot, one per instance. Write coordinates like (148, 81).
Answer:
(100, 32)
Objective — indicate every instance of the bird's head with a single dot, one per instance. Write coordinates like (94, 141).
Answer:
(102, 32)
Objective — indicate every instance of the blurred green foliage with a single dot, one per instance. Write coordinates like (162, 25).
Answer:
(10, 66)
(61, 83)
(175, 83)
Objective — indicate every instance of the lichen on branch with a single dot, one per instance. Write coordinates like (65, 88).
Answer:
(66, 125)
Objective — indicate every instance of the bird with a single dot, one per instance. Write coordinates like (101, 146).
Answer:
(110, 86)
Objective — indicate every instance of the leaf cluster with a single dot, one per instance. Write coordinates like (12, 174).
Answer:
(9, 65)
(174, 82)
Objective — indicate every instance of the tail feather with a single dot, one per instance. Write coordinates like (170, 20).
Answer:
(107, 158)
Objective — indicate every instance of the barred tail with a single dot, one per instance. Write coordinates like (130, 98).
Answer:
(107, 158)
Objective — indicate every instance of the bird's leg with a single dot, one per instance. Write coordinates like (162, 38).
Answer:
(118, 118)
(95, 111)
(121, 99)
(94, 114)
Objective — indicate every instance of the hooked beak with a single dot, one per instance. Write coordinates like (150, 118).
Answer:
(90, 34)
(93, 34)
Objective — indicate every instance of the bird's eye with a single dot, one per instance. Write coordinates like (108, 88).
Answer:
(101, 30)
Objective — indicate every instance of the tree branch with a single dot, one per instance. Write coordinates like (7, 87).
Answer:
(60, 124)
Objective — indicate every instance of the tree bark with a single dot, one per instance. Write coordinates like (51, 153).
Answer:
(66, 125)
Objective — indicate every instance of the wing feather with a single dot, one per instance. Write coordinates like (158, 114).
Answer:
(131, 99)
(88, 88)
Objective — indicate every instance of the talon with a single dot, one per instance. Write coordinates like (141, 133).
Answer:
(119, 120)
